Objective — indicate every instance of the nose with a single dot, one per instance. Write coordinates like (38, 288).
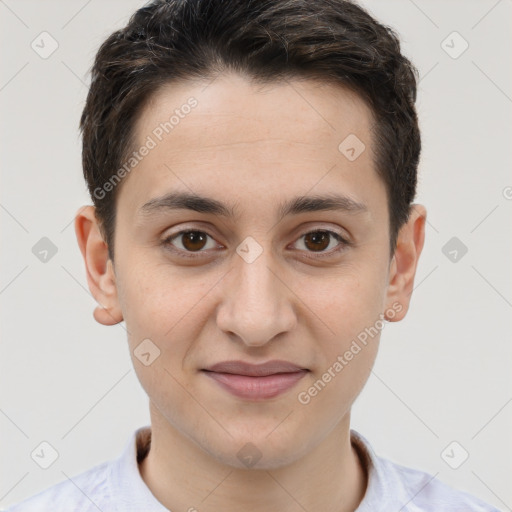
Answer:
(257, 302)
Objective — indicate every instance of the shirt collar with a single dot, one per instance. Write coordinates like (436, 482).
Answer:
(377, 492)
(128, 489)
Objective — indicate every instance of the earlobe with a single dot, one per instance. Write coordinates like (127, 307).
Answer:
(404, 263)
(98, 266)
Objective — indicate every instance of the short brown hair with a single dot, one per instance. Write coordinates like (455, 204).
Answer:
(335, 41)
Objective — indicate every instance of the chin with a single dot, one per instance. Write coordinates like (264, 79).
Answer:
(259, 452)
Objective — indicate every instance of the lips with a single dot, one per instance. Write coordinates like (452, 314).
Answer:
(255, 370)
(255, 381)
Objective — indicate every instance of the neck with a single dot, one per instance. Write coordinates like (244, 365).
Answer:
(184, 477)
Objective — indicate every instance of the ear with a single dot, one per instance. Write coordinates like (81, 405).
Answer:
(99, 267)
(404, 263)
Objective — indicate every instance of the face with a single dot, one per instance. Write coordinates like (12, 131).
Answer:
(254, 275)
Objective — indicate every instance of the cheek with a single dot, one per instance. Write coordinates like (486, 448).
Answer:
(346, 355)
(160, 304)
(151, 296)
(157, 305)
(348, 302)
(351, 306)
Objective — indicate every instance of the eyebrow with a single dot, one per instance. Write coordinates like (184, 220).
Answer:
(201, 204)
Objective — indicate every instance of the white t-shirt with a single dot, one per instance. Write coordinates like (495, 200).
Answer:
(116, 486)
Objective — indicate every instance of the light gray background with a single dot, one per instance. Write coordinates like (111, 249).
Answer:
(443, 374)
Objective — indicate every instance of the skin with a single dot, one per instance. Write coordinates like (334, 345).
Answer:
(252, 147)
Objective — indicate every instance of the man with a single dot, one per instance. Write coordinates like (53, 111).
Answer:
(253, 170)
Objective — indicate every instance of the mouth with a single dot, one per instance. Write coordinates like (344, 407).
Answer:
(256, 381)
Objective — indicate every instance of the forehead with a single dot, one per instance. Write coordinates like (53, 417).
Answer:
(233, 97)
(231, 133)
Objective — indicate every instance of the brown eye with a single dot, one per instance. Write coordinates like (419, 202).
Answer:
(189, 241)
(317, 240)
(320, 241)
(193, 240)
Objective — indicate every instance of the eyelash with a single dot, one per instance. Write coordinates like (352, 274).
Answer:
(190, 254)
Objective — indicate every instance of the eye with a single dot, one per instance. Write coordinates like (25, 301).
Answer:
(189, 241)
(320, 241)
